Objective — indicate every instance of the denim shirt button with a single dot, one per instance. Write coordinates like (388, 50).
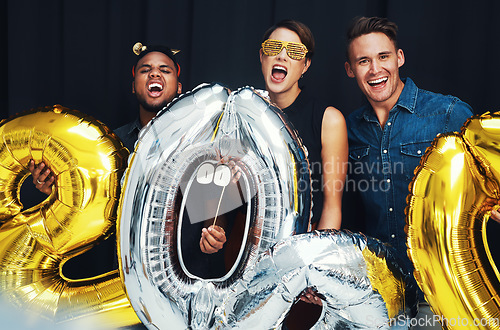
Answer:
(385, 151)
(388, 180)
(389, 123)
(390, 209)
(393, 236)
(419, 152)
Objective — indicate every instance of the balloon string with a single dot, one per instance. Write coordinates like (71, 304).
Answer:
(216, 127)
(218, 206)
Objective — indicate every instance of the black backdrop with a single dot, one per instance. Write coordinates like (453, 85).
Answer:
(78, 53)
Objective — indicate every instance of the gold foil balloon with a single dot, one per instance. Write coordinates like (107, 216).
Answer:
(88, 161)
(452, 194)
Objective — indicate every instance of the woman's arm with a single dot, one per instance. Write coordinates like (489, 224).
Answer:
(334, 155)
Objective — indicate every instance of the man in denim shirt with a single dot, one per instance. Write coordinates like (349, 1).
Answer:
(388, 136)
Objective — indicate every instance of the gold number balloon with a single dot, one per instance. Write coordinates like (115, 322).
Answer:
(88, 161)
(452, 194)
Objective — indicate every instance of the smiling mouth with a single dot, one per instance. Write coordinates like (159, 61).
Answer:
(155, 89)
(279, 72)
(377, 82)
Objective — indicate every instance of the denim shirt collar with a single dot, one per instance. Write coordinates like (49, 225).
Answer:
(408, 97)
(136, 125)
(407, 100)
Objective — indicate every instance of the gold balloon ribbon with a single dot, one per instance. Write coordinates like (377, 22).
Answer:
(88, 161)
(452, 194)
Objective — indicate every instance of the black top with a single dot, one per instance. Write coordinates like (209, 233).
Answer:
(306, 115)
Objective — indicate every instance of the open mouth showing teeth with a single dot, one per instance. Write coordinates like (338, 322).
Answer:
(377, 81)
(279, 72)
(155, 87)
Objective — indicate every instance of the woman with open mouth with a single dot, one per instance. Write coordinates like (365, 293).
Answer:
(285, 56)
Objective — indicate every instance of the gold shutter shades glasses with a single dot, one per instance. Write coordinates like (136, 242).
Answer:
(295, 50)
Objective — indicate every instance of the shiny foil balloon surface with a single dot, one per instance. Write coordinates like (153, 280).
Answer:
(191, 144)
(88, 161)
(361, 284)
(452, 194)
(208, 127)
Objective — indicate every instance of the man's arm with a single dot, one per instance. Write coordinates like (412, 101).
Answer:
(459, 114)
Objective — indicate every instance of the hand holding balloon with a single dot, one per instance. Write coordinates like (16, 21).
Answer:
(212, 239)
(490, 205)
(310, 296)
(495, 215)
(43, 177)
(235, 169)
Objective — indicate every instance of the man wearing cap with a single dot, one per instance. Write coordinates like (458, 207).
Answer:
(156, 83)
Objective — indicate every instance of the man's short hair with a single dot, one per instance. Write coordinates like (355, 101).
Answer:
(365, 25)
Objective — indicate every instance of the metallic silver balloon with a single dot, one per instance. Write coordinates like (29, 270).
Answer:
(220, 152)
(358, 278)
(190, 147)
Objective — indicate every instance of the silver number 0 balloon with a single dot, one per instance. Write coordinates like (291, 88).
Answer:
(181, 147)
(225, 153)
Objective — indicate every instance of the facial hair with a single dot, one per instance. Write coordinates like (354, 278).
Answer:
(151, 108)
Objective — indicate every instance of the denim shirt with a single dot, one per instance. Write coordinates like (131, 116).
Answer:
(382, 160)
(129, 133)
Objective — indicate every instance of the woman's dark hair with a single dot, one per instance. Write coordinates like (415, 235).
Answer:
(304, 33)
